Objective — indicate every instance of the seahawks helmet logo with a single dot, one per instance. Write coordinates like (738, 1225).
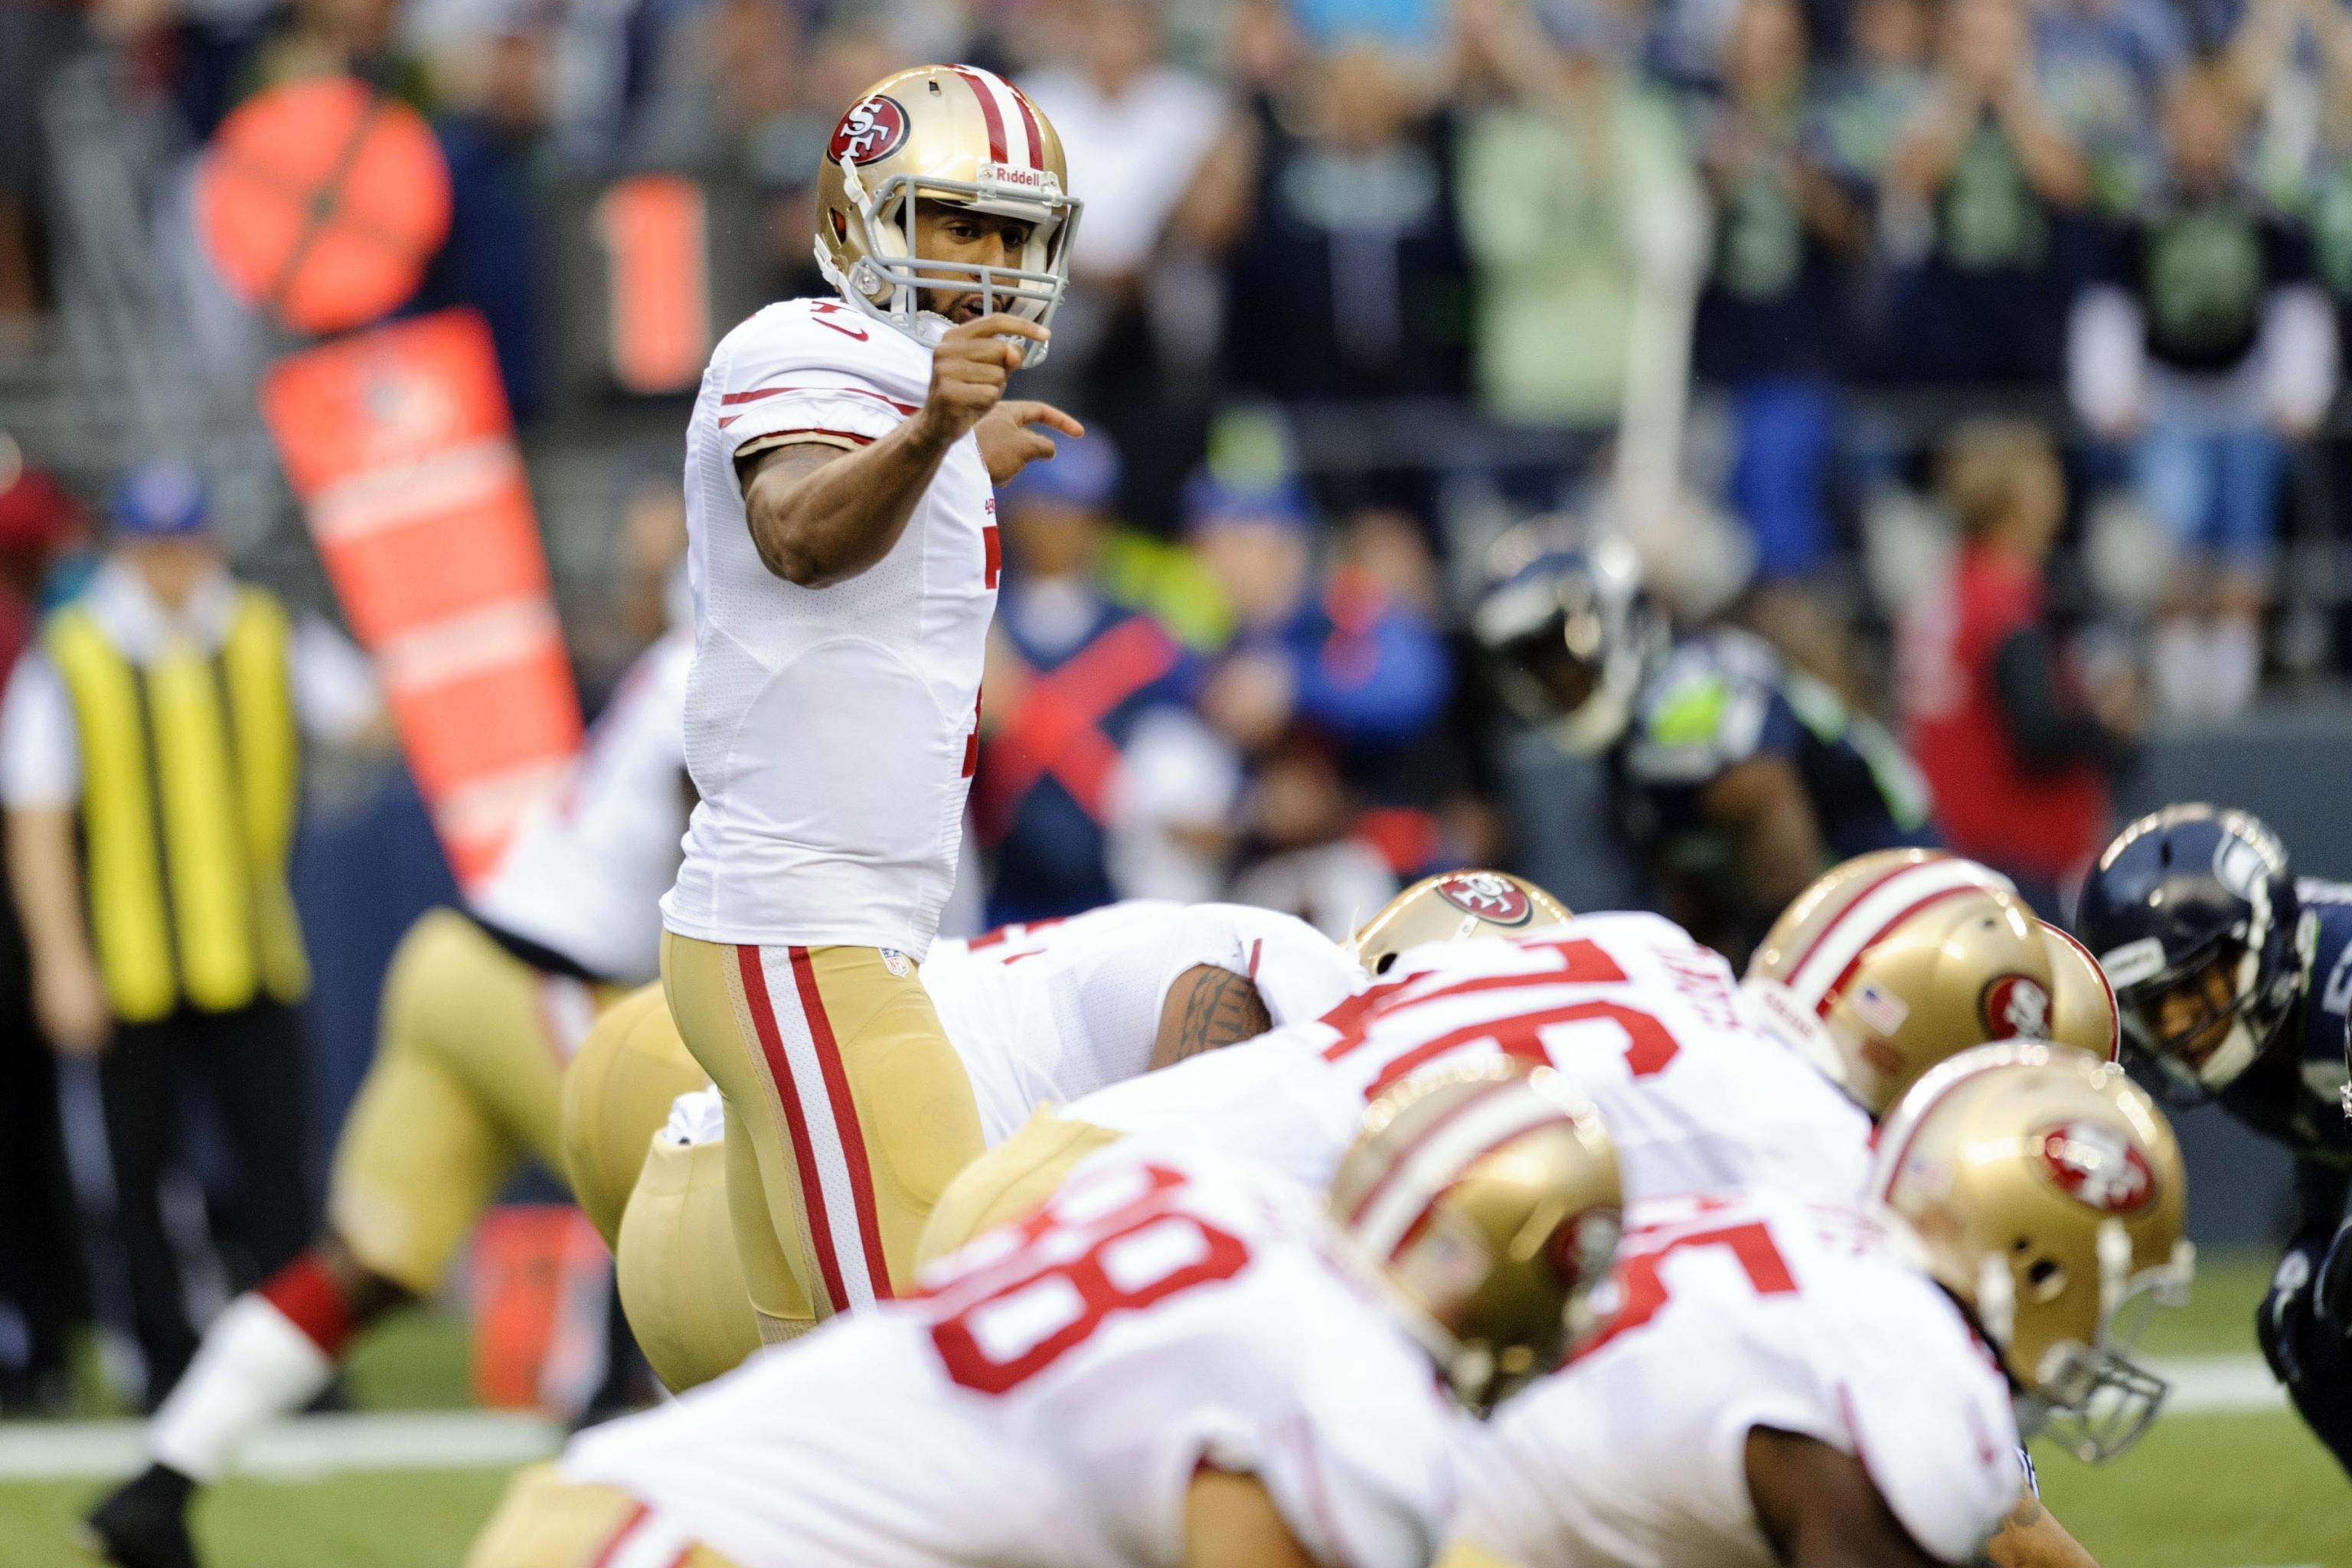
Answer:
(1489, 897)
(2098, 1166)
(870, 132)
(2017, 1007)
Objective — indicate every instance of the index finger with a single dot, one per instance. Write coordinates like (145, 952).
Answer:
(1001, 324)
(1046, 413)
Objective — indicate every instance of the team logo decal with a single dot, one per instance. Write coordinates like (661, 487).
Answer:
(2017, 1006)
(870, 132)
(2098, 1166)
(1492, 898)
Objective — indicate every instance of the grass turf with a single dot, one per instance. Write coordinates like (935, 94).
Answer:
(2201, 1491)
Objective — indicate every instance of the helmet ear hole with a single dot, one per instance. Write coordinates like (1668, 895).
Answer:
(1387, 962)
(2045, 1278)
(840, 224)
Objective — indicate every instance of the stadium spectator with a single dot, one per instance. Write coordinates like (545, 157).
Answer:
(42, 1291)
(1769, 323)
(1985, 188)
(1070, 676)
(1554, 179)
(1349, 279)
(2017, 745)
(2207, 348)
(1335, 655)
(1159, 152)
(149, 764)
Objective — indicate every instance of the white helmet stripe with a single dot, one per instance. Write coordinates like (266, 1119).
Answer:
(1008, 111)
(1870, 917)
(1424, 1169)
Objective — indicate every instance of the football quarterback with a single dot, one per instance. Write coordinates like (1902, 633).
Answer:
(481, 1008)
(1179, 1359)
(1036, 1013)
(841, 530)
(2234, 976)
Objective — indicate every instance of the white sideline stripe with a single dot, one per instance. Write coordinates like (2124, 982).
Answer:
(295, 1449)
(323, 1445)
(2219, 1385)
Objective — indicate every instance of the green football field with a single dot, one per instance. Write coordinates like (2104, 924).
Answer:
(2202, 1490)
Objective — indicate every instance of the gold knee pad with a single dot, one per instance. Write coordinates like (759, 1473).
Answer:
(546, 1521)
(616, 1094)
(855, 1111)
(1009, 1181)
(680, 1279)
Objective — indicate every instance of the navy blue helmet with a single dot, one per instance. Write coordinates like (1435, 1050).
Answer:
(2193, 915)
(1570, 633)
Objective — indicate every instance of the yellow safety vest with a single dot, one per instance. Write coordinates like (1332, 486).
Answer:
(191, 769)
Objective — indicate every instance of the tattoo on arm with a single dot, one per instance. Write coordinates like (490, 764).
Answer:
(1208, 1007)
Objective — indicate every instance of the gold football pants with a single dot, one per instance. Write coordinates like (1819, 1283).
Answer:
(680, 1277)
(616, 1095)
(847, 1113)
(1009, 1181)
(546, 1521)
(471, 1051)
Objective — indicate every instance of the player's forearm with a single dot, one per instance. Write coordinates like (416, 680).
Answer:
(45, 880)
(2031, 1537)
(819, 516)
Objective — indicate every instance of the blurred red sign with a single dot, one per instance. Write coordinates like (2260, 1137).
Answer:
(399, 444)
(657, 294)
(321, 201)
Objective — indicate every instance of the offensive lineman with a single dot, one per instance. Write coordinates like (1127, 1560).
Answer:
(1638, 1016)
(2235, 976)
(482, 1008)
(1805, 1387)
(1038, 1013)
(1179, 1361)
(843, 552)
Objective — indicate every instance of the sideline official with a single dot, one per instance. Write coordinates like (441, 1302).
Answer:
(150, 766)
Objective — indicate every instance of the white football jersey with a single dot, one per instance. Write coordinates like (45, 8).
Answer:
(1744, 1312)
(1049, 1397)
(1630, 1009)
(830, 731)
(585, 873)
(1052, 1010)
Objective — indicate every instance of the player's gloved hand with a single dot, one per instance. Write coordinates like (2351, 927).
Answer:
(969, 370)
(2304, 1327)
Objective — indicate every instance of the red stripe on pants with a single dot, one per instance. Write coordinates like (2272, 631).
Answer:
(771, 1047)
(845, 1120)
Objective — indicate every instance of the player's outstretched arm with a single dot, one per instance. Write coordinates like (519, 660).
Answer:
(2031, 1537)
(1819, 1509)
(1230, 1521)
(819, 515)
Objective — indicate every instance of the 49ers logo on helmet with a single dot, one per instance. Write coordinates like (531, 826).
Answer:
(870, 132)
(2017, 1007)
(1494, 899)
(2098, 1166)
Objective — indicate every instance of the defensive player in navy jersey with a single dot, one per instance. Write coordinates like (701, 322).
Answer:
(2233, 976)
(1735, 776)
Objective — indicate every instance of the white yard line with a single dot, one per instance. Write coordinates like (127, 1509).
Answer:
(2219, 1385)
(324, 1445)
(292, 1451)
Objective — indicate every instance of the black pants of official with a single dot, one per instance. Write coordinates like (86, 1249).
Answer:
(253, 1065)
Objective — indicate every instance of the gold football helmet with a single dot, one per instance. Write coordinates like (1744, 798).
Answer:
(1452, 906)
(2082, 1012)
(1903, 957)
(1489, 1199)
(944, 133)
(2048, 1194)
